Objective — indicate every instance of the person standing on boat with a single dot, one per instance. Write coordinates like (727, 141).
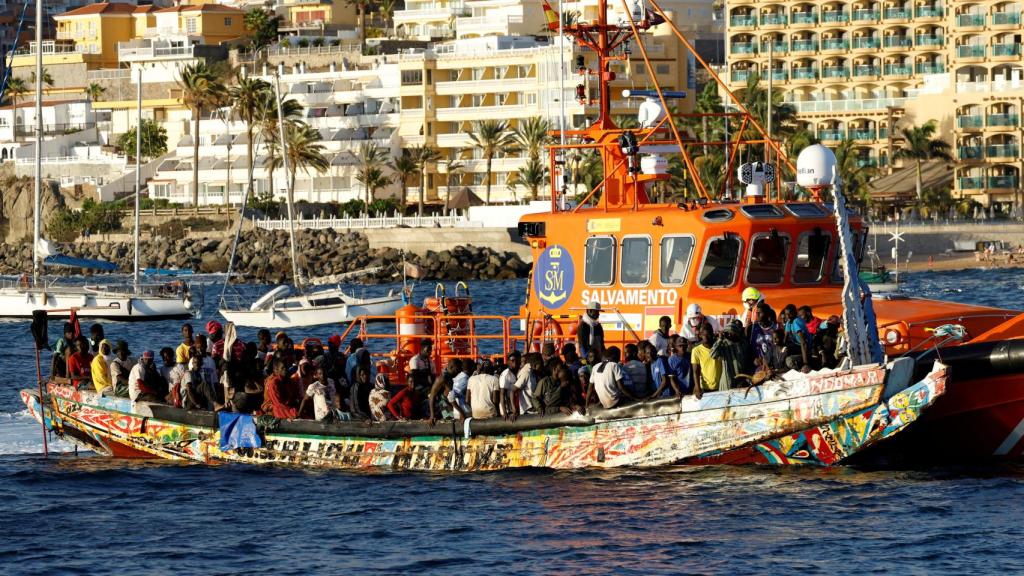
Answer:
(661, 337)
(752, 298)
(798, 340)
(181, 353)
(762, 338)
(507, 384)
(694, 321)
(421, 366)
(589, 332)
(101, 368)
(679, 365)
(62, 350)
(707, 370)
(483, 393)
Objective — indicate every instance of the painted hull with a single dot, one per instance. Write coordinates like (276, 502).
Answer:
(91, 303)
(649, 434)
(281, 316)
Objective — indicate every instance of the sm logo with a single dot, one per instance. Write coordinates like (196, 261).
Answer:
(553, 276)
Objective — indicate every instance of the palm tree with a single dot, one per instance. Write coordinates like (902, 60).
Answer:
(201, 87)
(532, 135)
(404, 167)
(855, 177)
(919, 145)
(362, 7)
(454, 166)
(247, 95)
(491, 137)
(387, 12)
(304, 152)
(371, 158)
(47, 78)
(94, 91)
(267, 126)
(261, 26)
(371, 179)
(424, 155)
(16, 90)
(532, 176)
(755, 99)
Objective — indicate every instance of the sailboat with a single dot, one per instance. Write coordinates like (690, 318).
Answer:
(296, 306)
(114, 302)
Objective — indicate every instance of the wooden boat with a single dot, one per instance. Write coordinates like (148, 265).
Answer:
(862, 406)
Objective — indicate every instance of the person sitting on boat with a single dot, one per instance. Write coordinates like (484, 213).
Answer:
(507, 385)
(80, 363)
(209, 367)
(215, 336)
(634, 372)
(264, 347)
(96, 335)
(733, 349)
(279, 400)
(752, 298)
(120, 367)
(439, 398)
(460, 385)
(825, 343)
(167, 364)
(100, 368)
(694, 321)
(405, 405)
(483, 392)
(679, 369)
(526, 383)
(571, 358)
(195, 389)
(762, 339)
(810, 320)
(661, 337)
(321, 392)
(662, 376)
(333, 361)
(547, 352)
(707, 369)
(359, 394)
(589, 332)
(143, 382)
(554, 392)
(607, 379)
(379, 398)
(421, 367)
(798, 340)
(62, 350)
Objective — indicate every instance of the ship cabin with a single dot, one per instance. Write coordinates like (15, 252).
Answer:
(654, 260)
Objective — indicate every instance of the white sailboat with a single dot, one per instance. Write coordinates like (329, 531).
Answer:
(296, 307)
(114, 302)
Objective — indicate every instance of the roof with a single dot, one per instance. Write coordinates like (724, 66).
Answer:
(901, 185)
(201, 8)
(464, 198)
(101, 8)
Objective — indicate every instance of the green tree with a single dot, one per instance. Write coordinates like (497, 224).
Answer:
(94, 91)
(372, 180)
(532, 136)
(491, 137)
(266, 118)
(361, 6)
(47, 78)
(424, 155)
(404, 168)
(16, 90)
(454, 168)
(202, 88)
(855, 177)
(532, 176)
(247, 97)
(261, 26)
(304, 152)
(154, 141)
(371, 161)
(754, 98)
(920, 144)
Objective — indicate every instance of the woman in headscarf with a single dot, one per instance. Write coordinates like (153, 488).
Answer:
(100, 368)
(379, 398)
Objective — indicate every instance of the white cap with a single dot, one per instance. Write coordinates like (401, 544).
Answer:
(595, 305)
(693, 310)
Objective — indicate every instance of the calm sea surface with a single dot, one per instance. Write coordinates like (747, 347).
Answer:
(81, 514)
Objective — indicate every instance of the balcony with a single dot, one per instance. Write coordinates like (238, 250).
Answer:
(459, 87)
(830, 135)
(867, 163)
(743, 48)
(883, 134)
(865, 15)
(805, 74)
(780, 75)
(836, 72)
(970, 122)
(804, 18)
(740, 21)
(153, 50)
(928, 12)
(776, 48)
(430, 13)
(897, 14)
(1005, 50)
(835, 16)
(971, 182)
(484, 112)
(1002, 181)
(835, 44)
(1002, 120)
(862, 134)
(898, 69)
(1005, 18)
(865, 70)
(773, 20)
(970, 51)
(970, 20)
(1002, 151)
(897, 42)
(866, 42)
(804, 46)
(486, 25)
(970, 153)
(930, 68)
(739, 75)
(924, 40)
(853, 105)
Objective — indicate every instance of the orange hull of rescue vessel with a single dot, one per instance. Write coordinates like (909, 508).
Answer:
(650, 260)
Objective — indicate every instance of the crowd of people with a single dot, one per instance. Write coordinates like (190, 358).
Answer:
(273, 376)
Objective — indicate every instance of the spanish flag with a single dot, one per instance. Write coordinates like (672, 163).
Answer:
(551, 16)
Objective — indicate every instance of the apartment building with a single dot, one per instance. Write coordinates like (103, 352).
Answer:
(861, 70)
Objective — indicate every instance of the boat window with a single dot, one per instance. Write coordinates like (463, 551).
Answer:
(721, 259)
(761, 211)
(811, 257)
(599, 264)
(718, 215)
(767, 258)
(675, 259)
(635, 267)
(806, 210)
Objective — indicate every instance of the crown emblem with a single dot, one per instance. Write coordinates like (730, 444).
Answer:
(555, 252)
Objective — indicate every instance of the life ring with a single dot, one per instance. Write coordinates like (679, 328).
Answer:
(545, 330)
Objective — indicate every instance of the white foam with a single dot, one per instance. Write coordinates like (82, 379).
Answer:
(21, 434)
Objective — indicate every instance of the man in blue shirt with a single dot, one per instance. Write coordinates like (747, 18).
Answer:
(798, 340)
(672, 374)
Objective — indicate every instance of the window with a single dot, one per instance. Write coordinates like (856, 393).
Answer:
(599, 262)
(191, 26)
(227, 22)
(675, 259)
(768, 254)
(858, 251)
(531, 98)
(636, 261)
(720, 262)
(410, 77)
(661, 69)
(811, 257)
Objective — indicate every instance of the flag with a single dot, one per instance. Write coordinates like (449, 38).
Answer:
(551, 16)
(238, 431)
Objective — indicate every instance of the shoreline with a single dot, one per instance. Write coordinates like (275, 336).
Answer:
(942, 263)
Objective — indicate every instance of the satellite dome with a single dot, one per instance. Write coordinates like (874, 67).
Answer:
(814, 166)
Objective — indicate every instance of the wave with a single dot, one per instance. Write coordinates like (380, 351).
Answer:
(21, 434)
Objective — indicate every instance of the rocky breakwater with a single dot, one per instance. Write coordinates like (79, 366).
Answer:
(264, 256)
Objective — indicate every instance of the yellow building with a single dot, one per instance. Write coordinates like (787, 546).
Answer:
(209, 23)
(318, 15)
(96, 29)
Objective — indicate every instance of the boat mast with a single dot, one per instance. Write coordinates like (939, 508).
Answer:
(37, 189)
(288, 183)
(138, 178)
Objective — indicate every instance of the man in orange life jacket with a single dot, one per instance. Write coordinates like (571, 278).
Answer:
(589, 333)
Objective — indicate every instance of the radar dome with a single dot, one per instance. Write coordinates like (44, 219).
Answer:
(814, 166)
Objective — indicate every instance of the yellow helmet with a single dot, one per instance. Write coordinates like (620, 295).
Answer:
(752, 293)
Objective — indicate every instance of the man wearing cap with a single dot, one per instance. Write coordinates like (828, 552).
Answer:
(120, 368)
(751, 298)
(693, 321)
(215, 333)
(141, 381)
(589, 333)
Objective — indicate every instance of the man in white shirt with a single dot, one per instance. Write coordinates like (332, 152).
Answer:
(140, 380)
(421, 367)
(483, 392)
(606, 378)
(660, 338)
(526, 381)
(507, 384)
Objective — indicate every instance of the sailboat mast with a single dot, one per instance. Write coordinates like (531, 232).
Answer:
(288, 183)
(138, 177)
(37, 189)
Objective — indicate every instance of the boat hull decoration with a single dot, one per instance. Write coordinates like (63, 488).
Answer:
(863, 406)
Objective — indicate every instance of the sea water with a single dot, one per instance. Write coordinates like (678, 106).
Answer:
(83, 514)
